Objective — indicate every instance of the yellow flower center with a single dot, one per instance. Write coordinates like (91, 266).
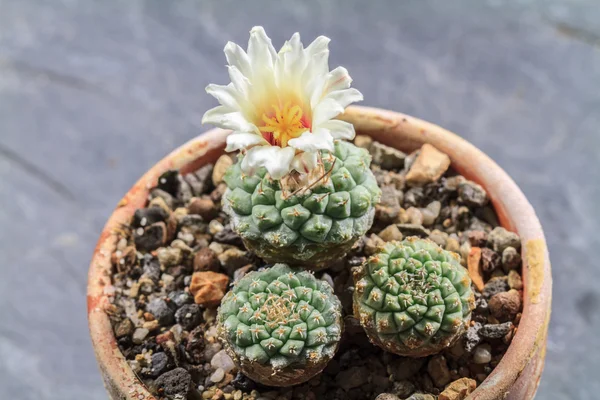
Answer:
(283, 124)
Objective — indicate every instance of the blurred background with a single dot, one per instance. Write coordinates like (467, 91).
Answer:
(94, 93)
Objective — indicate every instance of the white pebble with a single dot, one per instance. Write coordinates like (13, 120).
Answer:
(222, 361)
(482, 354)
(217, 376)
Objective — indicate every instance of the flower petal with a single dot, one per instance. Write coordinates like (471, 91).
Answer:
(261, 52)
(275, 159)
(243, 140)
(345, 97)
(320, 139)
(237, 57)
(339, 129)
(305, 161)
(338, 79)
(326, 110)
(223, 117)
(226, 95)
(239, 81)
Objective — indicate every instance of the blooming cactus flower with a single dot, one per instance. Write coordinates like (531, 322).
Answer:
(281, 105)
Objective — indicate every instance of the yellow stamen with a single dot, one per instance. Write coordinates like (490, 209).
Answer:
(285, 124)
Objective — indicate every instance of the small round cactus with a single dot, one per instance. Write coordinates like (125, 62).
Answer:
(313, 225)
(281, 327)
(413, 298)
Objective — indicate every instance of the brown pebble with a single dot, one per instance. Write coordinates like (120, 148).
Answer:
(452, 245)
(473, 265)
(372, 243)
(221, 166)
(477, 238)
(204, 207)
(391, 232)
(505, 305)
(208, 287)
(514, 280)
(489, 259)
(511, 259)
(458, 390)
(428, 167)
(164, 337)
(206, 260)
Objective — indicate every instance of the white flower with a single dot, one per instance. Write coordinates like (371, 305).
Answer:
(280, 105)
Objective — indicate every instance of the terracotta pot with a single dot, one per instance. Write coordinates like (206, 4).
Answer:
(518, 374)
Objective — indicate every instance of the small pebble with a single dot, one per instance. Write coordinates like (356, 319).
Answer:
(505, 306)
(386, 157)
(458, 390)
(472, 337)
(472, 194)
(363, 141)
(495, 331)
(218, 375)
(169, 256)
(494, 286)
(206, 260)
(438, 371)
(139, 335)
(188, 316)
(390, 233)
(511, 259)
(233, 258)
(204, 207)
(414, 216)
(124, 328)
(489, 259)
(499, 239)
(482, 354)
(160, 361)
(223, 361)
(514, 280)
(388, 208)
(161, 311)
(429, 165)
(220, 167)
(431, 212)
(352, 378)
(214, 227)
(174, 383)
(150, 238)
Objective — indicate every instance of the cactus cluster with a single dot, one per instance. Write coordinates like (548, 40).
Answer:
(310, 226)
(280, 326)
(413, 298)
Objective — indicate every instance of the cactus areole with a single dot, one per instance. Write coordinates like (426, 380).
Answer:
(413, 298)
(281, 327)
(310, 224)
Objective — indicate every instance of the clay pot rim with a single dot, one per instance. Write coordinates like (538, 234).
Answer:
(395, 129)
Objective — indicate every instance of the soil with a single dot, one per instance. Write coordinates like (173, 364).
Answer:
(168, 335)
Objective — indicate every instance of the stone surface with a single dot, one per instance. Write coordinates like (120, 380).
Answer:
(429, 165)
(94, 93)
(458, 390)
(505, 306)
(208, 287)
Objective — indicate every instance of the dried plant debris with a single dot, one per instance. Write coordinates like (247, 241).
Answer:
(179, 256)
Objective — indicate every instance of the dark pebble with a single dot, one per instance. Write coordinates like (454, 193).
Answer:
(472, 194)
(495, 331)
(490, 260)
(477, 238)
(184, 194)
(151, 267)
(481, 305)
(200, 181)
(151, 238)
(161, 311)
(472, 337)
(124, 328)
(188, 316)
(179, 298)
(228, 236)
(243, 383)
(494, 286)
(160, 363)
(167, 197)
(174, 383)
(169, 182)
(511, 259)
(193, 220)
(413, 230)
(413, 197)
(147, 216)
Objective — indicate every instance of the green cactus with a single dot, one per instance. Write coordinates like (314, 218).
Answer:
(281, 327)
(308, 227)
(413, 298)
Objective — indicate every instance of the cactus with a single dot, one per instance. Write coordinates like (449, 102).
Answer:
(281, 327)
(413, 298)
(310, 226)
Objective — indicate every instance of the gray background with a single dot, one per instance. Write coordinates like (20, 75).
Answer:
(92, 93)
